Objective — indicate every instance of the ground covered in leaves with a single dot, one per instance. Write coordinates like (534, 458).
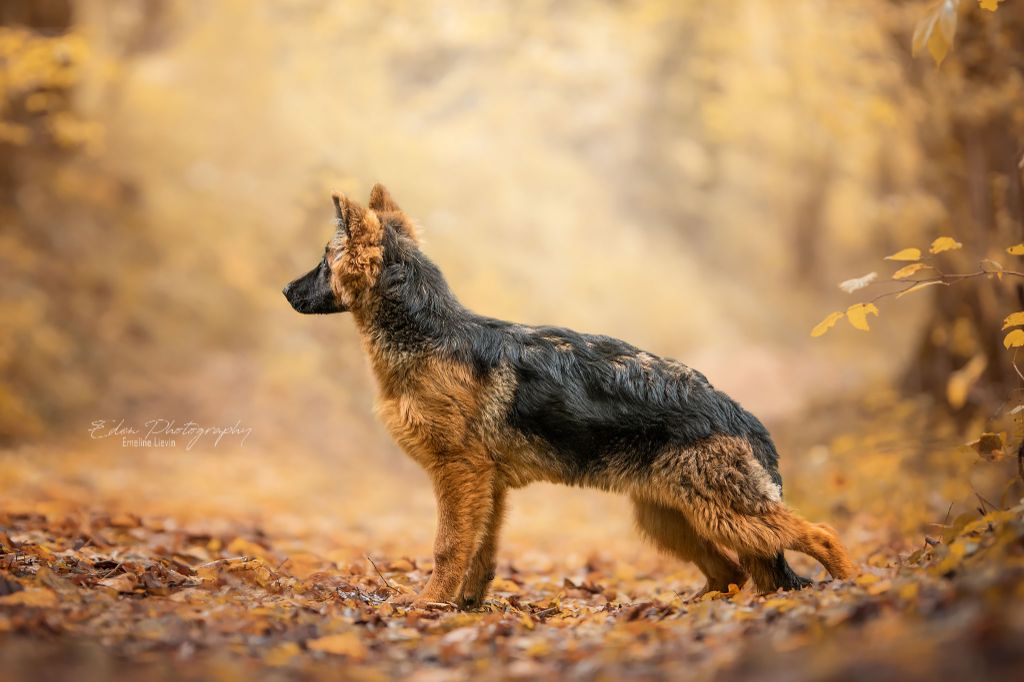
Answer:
(135, 569)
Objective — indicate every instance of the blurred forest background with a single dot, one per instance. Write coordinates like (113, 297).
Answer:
(694, 177)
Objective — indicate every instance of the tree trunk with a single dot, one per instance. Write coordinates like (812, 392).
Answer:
(977, 157)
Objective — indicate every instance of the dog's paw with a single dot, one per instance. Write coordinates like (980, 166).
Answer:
(472, 600)
(417, 601)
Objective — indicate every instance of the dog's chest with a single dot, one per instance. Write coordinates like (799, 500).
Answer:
(431, 407)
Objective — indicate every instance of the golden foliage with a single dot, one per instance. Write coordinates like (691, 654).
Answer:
(921, 285)
(857, 314)
(936, 30)
(908, 270)
(944, 244)
(137, 567)
(961, 381)
(1014, 339)
(1014, 320)
(827, 323)
(906, 254)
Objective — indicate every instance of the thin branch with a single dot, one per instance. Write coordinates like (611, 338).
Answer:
(386, 583)
(223, 561)
(985, 503)
(1013, 361)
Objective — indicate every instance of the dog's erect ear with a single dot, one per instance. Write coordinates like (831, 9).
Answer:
(381, 202)
(380, 199)
(362, 258)
(348, 213)
(339, 212)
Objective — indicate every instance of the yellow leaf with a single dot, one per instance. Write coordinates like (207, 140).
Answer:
(538, 648)
(936, 30)
(1016, 250)
(909, 591)
(923, 32)
(919, 286)
(281, 654)
(857, 314)
(503, 585)
(961, 381)
(881, 587)
(526, 620)
(944, 244)
(1014, 339)
(780, 604)
(908, 270)
(31, 596)
(990, 5)
(345, 644)
(827, 323)
(1014, 320)
(906, 254)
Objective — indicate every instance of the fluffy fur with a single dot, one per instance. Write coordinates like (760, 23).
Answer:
(486, 405)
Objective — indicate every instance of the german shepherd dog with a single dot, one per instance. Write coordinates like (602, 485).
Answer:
(485, 405)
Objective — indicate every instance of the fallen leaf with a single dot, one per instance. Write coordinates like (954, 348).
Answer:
(122, 583)
(1016, 250)
(344, 644)
(31, 596)
(282, 654)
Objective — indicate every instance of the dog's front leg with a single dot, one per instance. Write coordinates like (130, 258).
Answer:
(465, 499)
(481, 566)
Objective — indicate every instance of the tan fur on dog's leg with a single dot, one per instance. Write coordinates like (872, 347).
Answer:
(465, 501)
(481, 568)
(672, 532)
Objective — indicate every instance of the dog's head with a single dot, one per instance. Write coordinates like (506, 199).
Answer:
(353, 258)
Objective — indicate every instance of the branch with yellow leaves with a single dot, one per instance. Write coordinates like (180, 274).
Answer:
(857, 314)
(936, 30)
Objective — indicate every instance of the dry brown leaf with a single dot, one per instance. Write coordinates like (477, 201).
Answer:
(31, 596)
(344, 644)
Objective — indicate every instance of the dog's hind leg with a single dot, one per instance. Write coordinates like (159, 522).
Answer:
(672, 532)
(731, 500)
(773, 573)
(759, 539)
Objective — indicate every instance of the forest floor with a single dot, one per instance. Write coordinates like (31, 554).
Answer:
(232, 567)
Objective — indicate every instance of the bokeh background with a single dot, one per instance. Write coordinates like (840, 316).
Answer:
(694, 177)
